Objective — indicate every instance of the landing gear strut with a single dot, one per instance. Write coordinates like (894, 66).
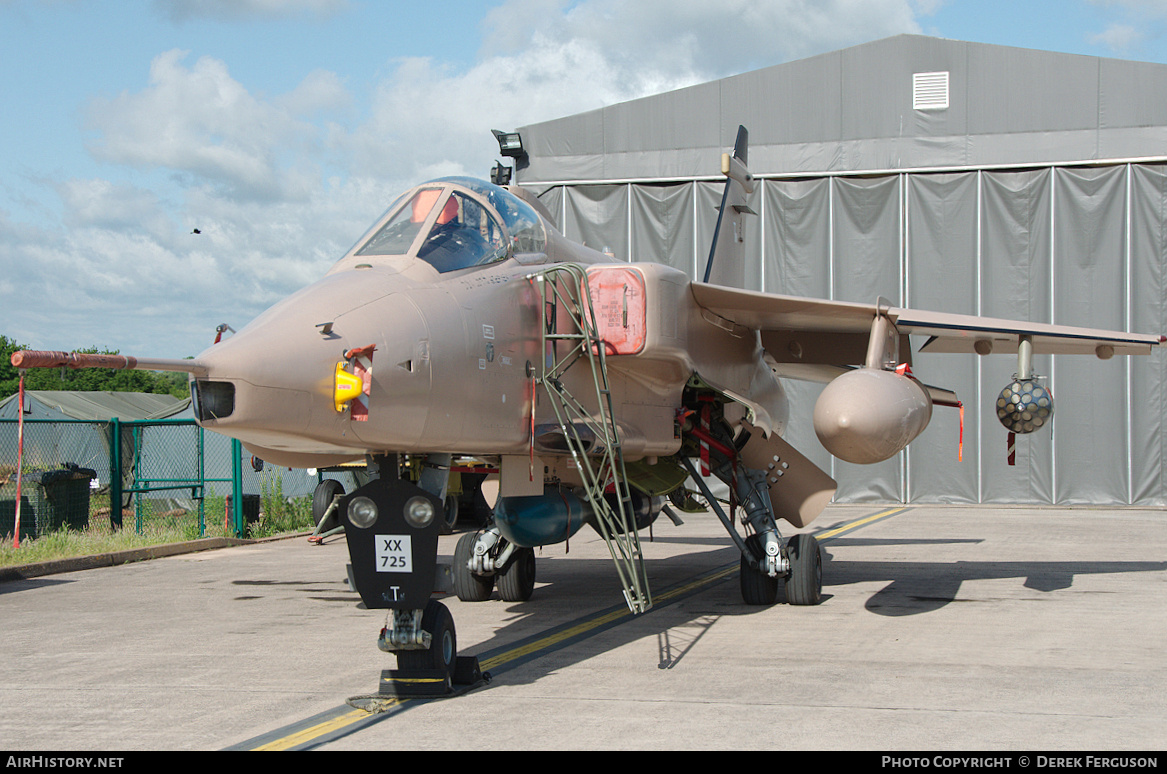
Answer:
(766, 559)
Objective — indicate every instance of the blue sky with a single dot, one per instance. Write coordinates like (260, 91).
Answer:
(282, 128)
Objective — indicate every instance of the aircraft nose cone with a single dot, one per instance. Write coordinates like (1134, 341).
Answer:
(283, 367)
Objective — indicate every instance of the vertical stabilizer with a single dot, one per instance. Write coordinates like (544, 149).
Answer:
(727, 258)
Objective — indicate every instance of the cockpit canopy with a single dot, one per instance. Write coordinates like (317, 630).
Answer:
(456, 223)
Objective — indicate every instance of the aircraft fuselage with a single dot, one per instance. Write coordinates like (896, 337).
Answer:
(451, 357)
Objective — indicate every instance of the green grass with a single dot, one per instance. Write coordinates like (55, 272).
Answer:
(66, 544)
(279, 516)
(282, 514)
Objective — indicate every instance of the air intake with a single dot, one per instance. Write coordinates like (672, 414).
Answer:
(212, 400)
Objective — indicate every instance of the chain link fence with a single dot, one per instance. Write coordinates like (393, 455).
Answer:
(64, 465)
(166, 475)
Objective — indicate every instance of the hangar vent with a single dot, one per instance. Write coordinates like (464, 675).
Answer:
(1038, 192)
(930, 91)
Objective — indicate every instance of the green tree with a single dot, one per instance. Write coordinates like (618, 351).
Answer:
(9, 377)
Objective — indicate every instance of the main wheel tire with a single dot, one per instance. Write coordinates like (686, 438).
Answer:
(758, 588)
(449, 515)
(517, 582)
(483, 513)
(443, 650)
(805, 584)
(322, 497)
(468, 586)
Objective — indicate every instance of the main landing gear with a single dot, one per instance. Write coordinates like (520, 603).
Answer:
(803, 579)
(484, 559)
(767, 562)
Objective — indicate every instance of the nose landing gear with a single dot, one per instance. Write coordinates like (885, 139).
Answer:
(392, 526)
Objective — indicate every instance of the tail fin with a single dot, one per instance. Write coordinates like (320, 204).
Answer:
(726, 264)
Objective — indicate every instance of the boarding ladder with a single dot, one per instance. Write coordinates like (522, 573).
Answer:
(591, 434)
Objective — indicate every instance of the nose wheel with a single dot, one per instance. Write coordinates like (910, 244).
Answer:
(442, 652)
(428, 664)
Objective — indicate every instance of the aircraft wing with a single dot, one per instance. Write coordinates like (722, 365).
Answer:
(960, 333)
(809, 330)
(769, 311)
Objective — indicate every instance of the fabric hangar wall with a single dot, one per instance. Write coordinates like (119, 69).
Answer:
(1021, 184)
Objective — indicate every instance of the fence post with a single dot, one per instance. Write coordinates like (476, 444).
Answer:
(237, 486)
(19, 462)
(136, 467)
(115, 474)
(202, 464)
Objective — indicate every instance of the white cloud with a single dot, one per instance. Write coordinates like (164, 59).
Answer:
(321, 91)
(238, 10)
(1137, 22)
(203, 122)
(425, 114)
(280, 186)
(102, 204)
(696, 37)
(1118, 37)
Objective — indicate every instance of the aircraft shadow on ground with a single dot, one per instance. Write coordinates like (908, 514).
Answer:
(8, 586)
(319, 591)
(572, 589)
(912, 588)
(923, 587)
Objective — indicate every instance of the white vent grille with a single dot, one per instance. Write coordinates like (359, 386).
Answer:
(930, 91)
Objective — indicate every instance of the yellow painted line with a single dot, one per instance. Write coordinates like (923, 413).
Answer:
(856, 524)
(308, 734)
(413, 680)
(700, 582)
(574, 631)
(355, 716)
(581, 628)
(552, 639)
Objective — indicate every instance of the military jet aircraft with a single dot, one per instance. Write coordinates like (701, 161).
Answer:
(464, 332)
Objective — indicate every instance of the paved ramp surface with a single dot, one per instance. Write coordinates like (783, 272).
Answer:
(942, 628)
